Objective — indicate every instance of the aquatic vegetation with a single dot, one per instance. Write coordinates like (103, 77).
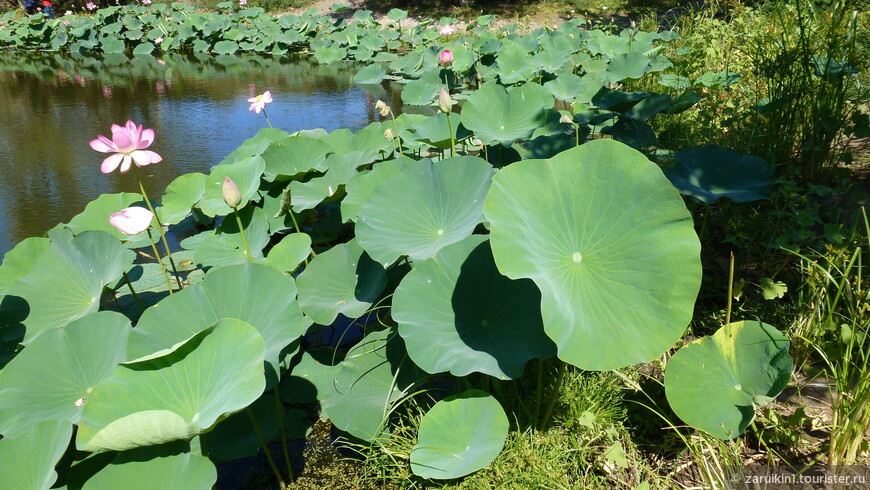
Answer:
(421, 257)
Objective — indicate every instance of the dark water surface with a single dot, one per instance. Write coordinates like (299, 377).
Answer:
(51, 107)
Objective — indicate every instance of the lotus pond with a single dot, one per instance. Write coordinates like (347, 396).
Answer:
(334, 259)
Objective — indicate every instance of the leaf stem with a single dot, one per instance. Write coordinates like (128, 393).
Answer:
(553, 396)
(730, 289)
(159, 227)
(280, 412)
(265, 448)
(133, 291)
(157, 257)
(244, 238)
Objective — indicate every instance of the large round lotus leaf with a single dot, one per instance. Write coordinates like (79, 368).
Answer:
(169, 471)
(294, 156)
(457, 313)
(374, 374)
(19, 261)
(74, 271)
(254, 293)
(235, 437)
(177, 393)
(97, 212)
(710, 172)
(373, 73)
(361, 185)
(459, 435)
(514, 64)
(256, 145)
(566, 86)
(287, 254)
(245, 173)
(27, 460)
(420, 92)
(67, 362)
(609, 243)
(343, 280)
(627, 65)
(423, 208)
(715, 383)
(495, 115)
(181, 195)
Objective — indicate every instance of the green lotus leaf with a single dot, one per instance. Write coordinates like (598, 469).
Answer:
(311, 375)
(627, 66)
(28, 459)
(75, 270)
(495, 115)
(245, 173)
(151, 468)
(373, 73)
(307, 195)
(514, 64)
(97, 212)
(459, 435)
(716, 383)
(294, 156)
(436, 132)
(180, 197)
(254, 293)
(684, 102)
(550, 146)
(226, 246)
(618, 275)
(711, 172)
(457, 313)
(68, 362)
(566, 86)
(225, 47)
(329, 54)
(235, 437)
(361, 186)
(423, 208)
(176, 395)
(343, 280)
(718, 79)
(19, 261)
(143, 48)
(650, 106)
(256, 145)
(291, 251)
(634, 133)
(421, 92)
(674, 81)
(374, 374)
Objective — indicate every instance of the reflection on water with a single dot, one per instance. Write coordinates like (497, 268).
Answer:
(53, 106)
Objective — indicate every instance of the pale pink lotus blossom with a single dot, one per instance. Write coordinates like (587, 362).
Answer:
(445, 103)
(445, 58)
(243, 2)
(447, 30)
(158, 40)
(259, 102)
(107, 91)
(66, 22)
(68, 12)
(91, 6)
(146, 2)
(132, 221)
(128, 145)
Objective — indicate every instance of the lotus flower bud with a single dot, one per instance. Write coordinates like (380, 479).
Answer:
(231, 193)
(445, 58)
(383, 108)
(566, 119)
(445, 104)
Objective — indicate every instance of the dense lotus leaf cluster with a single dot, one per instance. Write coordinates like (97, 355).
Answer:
(352, 270)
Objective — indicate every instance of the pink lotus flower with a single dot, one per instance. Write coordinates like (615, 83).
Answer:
(445, 58)
(128, 144)
(146, 2)
(91, 6)
(446, 30)
(231, 193)
(259, 102)
(132, 221)
(66, 22)
(243, 2)
(158, 41)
